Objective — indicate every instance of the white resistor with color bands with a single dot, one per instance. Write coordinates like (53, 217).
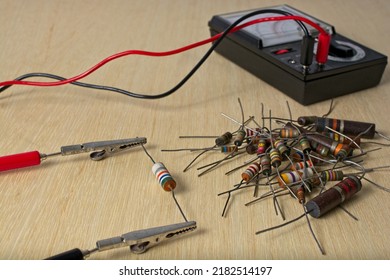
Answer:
(163, 176)
(294, 176)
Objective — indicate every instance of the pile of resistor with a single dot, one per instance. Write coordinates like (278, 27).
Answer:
(297, 158)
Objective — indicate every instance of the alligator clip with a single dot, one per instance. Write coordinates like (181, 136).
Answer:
(141, 240)
(138, 241)
(99, 151)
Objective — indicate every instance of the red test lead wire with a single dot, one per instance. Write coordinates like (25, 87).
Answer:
(322, 51)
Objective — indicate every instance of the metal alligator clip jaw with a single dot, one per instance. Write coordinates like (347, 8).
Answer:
(138, 241)
(101, 149)
(141, 240)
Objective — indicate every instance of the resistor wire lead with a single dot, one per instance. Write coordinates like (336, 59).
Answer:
(200, 154)
(216, 163)
(305, 212)
(165, 179)
(239, 138)
(272, 158)
(219, 141)
(246, 176)
(229, 196)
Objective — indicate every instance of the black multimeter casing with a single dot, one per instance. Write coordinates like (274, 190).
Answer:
(271, 51)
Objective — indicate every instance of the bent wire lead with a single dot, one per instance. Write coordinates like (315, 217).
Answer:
(246, 176)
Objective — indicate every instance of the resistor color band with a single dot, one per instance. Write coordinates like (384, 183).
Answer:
(265, 163)
(322, 150)
(341, 150)
(342, 139)
(332, 175)
(288, 132)
(276, 159)
(252, 132)
(300, 165)
(297, 156)
(251, 171)
(228, 149)
(20, 160)
(282, 148)
(305, 144)
(301, 194)
(163, 176)
(261, 146)
(334, 196)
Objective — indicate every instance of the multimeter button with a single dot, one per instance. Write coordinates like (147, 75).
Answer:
(282, 51)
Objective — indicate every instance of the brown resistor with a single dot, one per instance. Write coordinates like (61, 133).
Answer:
(334, 196)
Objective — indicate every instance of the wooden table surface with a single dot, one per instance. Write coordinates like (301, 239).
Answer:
(71, 201)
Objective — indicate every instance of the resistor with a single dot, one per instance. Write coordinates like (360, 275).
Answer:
(274, 154)
(223, 139)
(337, 149)
(307, 120)
(251, 148)
(251, 171)
(276, 159)
(342, 139)
(332, 175)
(266, 169)
(320, 149)
(228, 149)
(334, 196)
(292, 177)
(342, 126)
(297, 156)
(165, 179)
(282, 148)
(239, 138)
(289, 132)
(301, 165)
(252, 132)
(261, 146)
(300, 192)
(265, 162)
(304, 143)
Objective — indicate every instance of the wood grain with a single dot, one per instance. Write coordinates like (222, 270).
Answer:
(71, 202)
